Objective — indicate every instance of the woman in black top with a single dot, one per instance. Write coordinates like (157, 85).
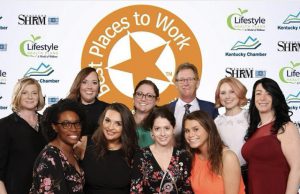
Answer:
(108, 154)
(20, 137)
(85, 89)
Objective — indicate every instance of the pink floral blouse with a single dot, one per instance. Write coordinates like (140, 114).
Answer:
(53, 174)
(148, 177)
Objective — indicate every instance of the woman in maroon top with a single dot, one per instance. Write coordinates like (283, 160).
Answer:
(272, 142)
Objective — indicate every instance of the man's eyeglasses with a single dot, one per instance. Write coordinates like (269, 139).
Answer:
(147, 96)
(68, 124)
(189, 80)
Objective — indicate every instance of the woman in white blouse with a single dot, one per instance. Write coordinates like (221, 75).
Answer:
(233, 124)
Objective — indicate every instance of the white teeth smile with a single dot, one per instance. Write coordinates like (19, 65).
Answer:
(73, 136)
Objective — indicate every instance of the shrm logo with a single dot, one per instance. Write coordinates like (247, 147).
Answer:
(37, 20)
(3, 47)
(288, 46)
(244, 72)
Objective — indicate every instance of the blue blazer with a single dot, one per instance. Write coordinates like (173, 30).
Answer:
(206, 106)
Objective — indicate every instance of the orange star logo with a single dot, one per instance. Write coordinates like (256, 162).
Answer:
(139, 42)
(140, 59)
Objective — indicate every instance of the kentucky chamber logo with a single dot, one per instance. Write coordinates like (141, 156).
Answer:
(42, 70)
(135, 43)
(1, 26)
(1, 101)
(293, 100)
(240, 48)
(290, 73)
(239, 21)
(32, 48)
(292, 22)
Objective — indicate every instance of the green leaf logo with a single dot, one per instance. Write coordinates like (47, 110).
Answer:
(23, 45)
(239, 14)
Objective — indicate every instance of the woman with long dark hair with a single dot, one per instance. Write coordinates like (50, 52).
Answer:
(108, 154)
(272, 142)
(161, 167)
(85, 90)
(215, 168)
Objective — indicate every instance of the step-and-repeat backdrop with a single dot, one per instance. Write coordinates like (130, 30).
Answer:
(127, 41)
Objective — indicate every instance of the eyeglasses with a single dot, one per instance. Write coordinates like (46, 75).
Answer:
(189, 80)
(68, 124)
(147, 96)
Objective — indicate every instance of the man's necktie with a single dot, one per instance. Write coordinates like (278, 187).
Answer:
(187, 109)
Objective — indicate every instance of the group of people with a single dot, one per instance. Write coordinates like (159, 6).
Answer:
(84, 145)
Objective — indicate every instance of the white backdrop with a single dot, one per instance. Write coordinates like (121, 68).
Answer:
(73, 21)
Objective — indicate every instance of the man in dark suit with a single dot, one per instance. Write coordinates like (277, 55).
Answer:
(187, 82)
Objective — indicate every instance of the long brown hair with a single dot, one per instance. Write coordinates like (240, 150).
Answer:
(215, 144)
(128, 136)
(74, 93)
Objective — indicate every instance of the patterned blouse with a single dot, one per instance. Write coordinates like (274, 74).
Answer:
(148, 177)
(53, 174)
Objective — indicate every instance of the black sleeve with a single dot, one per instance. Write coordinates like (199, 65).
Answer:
(4, 147)
(137, 174)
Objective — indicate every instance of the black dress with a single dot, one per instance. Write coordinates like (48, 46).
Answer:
(93, 112)
(108, 175)
(20, 144)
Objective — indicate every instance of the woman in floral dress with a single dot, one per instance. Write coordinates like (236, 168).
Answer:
(161, 167)
(56, 170)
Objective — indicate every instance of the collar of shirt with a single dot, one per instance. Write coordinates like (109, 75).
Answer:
(180, 104)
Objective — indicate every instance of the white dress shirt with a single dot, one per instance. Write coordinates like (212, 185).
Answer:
(179, 112)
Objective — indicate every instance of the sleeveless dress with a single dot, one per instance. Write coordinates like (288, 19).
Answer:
(206, 182)
(268, 169)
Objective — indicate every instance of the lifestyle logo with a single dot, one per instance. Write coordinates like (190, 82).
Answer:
(135, 43)
(30, 48)
(290, 73)
(237, 21)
